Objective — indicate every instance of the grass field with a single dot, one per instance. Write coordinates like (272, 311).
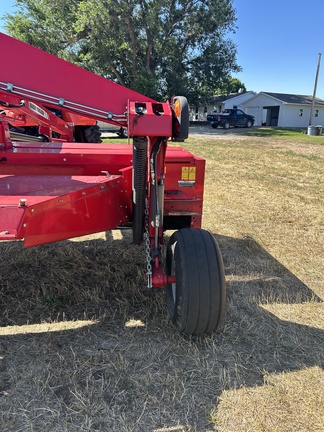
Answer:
(84, 346)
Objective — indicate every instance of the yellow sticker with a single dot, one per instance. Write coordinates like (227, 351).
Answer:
(192, 173)
(185, 173)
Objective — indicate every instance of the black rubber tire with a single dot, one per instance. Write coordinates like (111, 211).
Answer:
(88, 134)
(123, 133)
(180, 125)
(249, 124)
(226, 125)
(196, 302)
(214, 125)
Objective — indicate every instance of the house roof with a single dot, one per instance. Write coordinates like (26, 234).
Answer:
(223, 98)
(295, 99)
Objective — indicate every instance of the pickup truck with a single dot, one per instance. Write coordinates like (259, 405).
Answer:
(230, 117)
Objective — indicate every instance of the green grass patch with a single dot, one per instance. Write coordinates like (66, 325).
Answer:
(116, 140)
(299, 134)
(276, 131)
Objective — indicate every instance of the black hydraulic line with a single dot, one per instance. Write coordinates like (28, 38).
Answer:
(139, 186)
(9, 105)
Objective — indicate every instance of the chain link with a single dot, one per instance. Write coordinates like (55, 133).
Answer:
(148, 248)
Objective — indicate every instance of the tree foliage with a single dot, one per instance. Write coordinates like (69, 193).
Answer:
(231, 85)
(157, 47)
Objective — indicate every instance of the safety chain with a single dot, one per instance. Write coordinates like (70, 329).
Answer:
(148, 247)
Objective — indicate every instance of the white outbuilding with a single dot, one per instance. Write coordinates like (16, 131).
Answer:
(219, 104)
(284, 110)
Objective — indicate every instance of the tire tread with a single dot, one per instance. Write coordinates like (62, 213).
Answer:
(200, 282)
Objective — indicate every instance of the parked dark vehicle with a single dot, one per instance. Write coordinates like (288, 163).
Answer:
(230, 117)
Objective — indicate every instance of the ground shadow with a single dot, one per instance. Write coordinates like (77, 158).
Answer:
(130, 368)
(256, 280)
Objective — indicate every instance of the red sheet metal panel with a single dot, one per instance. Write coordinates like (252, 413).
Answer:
(155, 119)
(45, 73)
(67, 194)
(65, 159)
(61, 207)
(10, 220)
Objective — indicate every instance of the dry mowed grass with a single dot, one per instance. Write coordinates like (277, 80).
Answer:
(84, 346)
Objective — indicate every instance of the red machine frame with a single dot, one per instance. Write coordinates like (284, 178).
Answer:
(54, 188)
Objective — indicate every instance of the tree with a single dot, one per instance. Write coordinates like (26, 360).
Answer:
(157, 47)
(231, 85)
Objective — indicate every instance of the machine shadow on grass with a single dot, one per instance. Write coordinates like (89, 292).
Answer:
(255, 281)
(103, 280)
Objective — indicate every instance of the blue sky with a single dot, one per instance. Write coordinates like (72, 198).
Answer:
(278, 44)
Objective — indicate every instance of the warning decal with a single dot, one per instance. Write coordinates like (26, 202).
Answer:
(192, 173)
(185, 173)
(188, 173)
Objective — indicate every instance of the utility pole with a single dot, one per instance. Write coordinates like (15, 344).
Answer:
(315, 87)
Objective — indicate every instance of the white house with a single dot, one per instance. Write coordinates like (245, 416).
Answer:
(219, 103)
(284, 110)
